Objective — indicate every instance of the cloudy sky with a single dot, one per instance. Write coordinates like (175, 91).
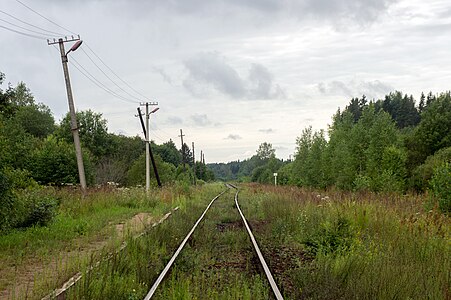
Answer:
(232, 74)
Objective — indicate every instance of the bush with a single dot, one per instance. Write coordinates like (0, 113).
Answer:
(361, 183)
(20, 179)
(422, 174)
(331, 238)
(23, 207)
(441, 187)
(7, 201)
(40, 208)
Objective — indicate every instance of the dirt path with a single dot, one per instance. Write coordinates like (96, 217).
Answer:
(34, 277)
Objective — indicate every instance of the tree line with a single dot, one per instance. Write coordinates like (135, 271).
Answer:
(387, 145)
(36, 151)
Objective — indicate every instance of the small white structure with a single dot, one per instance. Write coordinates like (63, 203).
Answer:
(275, 178)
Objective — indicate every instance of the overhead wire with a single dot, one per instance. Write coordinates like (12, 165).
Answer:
(23, 28)
(107, 76)
(95, 54)
(23, 33)
(48, 33)
(44, 17)
(31, 25)
(167, 134)
(114, 73)
(97, 82)
(77, 65)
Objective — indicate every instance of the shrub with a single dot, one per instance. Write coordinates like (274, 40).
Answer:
(23, 207)
(423, 173)
(40, 209)
(330, 238)
(361, 183)
(441, 187)
(7, 200)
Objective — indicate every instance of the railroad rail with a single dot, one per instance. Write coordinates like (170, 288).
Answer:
(268, 274)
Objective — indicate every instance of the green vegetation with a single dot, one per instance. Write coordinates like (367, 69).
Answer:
(369, 237)
(387, 145)
(217, 263)
(319, 246)
(76, 228)
(30, 140)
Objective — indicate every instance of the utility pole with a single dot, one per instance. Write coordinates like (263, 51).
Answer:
(183, 152)
(200, 166)
(149, 150)
(73, 118)
(194, 166)
(148, 143)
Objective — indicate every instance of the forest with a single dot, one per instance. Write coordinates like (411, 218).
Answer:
(387, 145)
(35, 151)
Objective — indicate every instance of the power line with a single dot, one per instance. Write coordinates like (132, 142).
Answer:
(42, 16)
(21, 27)
(23, 33)
(114, 73)
(106, 75)
(94, 80)
(90, 58)
(97, 82)
(29, 24)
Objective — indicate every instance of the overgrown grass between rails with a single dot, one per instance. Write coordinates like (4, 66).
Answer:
(362, 246)
(80, 223)
(217, 262)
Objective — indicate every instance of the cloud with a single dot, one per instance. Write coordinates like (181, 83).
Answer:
(200, 120)
(211, 71)
(269, 130)
(372, 89)
(335, 11)
(343, 11)
(261, 84)
(174, 120)
(164, 75)
(233, 137)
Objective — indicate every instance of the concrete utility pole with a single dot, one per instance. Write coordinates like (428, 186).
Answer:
(149, 150)
(73, 118)
(183, 152)
(194, 166)
(148, 142)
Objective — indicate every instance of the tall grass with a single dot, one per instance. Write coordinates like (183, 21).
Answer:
(355, 246)
(51, 254)
(217, 262)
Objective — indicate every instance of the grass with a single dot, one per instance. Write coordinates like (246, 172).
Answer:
(37, 259)
(218, 262)
(319, 245)
(351, 246)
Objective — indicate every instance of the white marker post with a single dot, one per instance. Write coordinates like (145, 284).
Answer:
(275, 178)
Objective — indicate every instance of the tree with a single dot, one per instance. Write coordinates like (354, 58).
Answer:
(16, 144)
(186, 154)
(356, 107)
(422, 103)
(93, 132)
(433, 132)
(265, 151)
(36, 119)
(401, 109)
(136, 174)
(54, 162)
(168, 152)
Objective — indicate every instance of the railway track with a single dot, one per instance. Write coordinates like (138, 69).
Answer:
(275, 290)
